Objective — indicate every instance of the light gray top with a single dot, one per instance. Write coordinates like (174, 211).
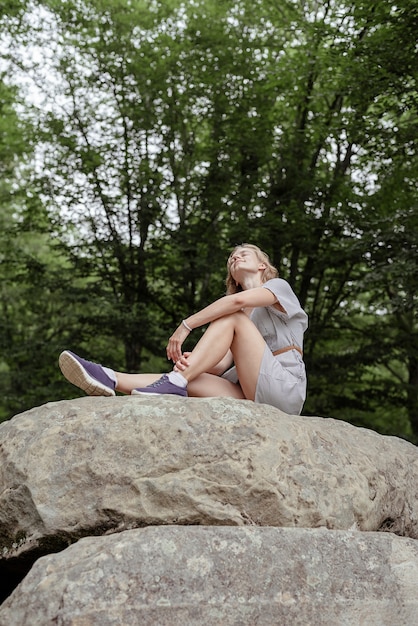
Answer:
(281, 329)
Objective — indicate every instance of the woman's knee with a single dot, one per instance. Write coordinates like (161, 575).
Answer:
(232, 319)
(240, 318)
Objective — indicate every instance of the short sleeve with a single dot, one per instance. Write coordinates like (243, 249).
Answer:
(286, 297)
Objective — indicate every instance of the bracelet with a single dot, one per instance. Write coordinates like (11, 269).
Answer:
(185, 324)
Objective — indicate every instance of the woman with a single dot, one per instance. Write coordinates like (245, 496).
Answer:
(258, 326)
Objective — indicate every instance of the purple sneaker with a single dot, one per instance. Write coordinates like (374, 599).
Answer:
(161, 386)
(90, 377)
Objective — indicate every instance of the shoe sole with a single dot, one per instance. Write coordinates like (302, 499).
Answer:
(75, 373)
(154, 393)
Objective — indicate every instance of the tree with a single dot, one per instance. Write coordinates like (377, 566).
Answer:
(171, 131)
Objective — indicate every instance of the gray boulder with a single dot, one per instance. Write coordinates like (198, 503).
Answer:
(92, 466)
(222, 575)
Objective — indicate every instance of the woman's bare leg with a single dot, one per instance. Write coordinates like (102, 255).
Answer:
(204, 386)
(235, 332)
(211, 386)
(126, 382)
(238, 333)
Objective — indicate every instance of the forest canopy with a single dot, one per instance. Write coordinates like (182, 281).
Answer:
(141, 140)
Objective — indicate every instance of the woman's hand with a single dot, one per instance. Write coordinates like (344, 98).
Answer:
(175, 343)
(182, 363)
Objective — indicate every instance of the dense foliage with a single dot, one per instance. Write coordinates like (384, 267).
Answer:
(162, 133)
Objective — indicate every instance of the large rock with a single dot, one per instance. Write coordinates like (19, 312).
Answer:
(230, 576)
(94, 465)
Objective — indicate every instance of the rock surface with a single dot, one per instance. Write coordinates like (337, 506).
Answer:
(88, 466)
(222, 575)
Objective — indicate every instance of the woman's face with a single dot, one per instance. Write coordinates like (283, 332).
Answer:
(243, 259)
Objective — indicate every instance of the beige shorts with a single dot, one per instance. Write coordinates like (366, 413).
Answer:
(281, 381)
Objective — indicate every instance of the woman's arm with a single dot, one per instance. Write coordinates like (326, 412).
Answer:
(226, 305)
(231, 304)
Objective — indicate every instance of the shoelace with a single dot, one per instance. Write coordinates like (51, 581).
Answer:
(158, 382)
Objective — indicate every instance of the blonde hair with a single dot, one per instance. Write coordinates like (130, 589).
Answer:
(269, 272)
